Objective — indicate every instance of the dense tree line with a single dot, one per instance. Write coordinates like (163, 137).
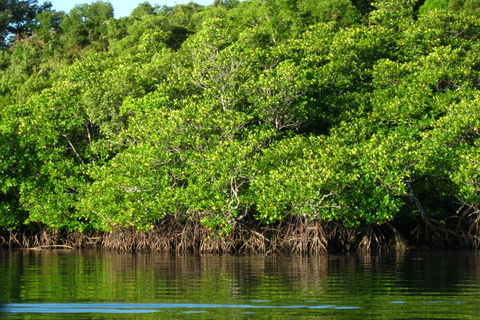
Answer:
(259, 111)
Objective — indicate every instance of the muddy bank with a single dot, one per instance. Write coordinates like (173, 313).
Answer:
(294, 236)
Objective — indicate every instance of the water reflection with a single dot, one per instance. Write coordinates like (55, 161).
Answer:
(221, 286)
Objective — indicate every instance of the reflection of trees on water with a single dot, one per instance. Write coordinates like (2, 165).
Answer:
(157, 277)
(440, 271)
(227, 276)
(411, 270)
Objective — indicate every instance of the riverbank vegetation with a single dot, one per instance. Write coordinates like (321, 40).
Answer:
(260, 125)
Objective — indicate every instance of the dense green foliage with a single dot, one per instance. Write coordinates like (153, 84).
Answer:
(266, 109)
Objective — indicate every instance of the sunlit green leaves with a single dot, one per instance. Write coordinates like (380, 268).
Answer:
(260, 110)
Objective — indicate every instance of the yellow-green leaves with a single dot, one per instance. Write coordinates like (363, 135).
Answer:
(262, 111)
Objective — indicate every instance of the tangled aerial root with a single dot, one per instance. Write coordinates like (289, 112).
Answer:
(298, 236)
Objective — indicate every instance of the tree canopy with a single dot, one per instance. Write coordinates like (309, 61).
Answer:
(328, 111)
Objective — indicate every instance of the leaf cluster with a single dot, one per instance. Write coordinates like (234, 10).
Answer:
(260, 110)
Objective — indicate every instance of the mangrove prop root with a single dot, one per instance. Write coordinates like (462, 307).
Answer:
(399, 240)
(294, 235)
(434, 233)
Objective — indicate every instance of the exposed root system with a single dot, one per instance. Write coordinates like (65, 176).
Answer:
(297, 236)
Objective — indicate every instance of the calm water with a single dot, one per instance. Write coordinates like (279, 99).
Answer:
(93, 285)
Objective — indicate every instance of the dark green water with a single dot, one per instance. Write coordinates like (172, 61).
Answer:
(94, 285)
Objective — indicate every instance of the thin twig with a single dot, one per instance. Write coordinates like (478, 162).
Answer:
(51, 246)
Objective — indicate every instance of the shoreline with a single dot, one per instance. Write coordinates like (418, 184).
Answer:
(294, 237)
